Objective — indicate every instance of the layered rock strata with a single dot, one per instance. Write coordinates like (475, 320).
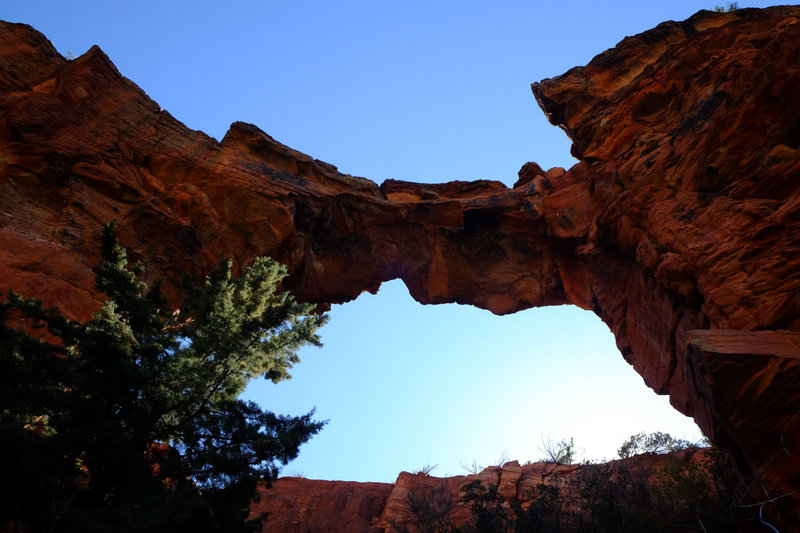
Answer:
(683, 215)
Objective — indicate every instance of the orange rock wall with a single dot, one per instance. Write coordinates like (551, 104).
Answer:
(682, 216)
(300, 505)
(691, 133)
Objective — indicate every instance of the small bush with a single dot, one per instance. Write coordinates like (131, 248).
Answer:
(560, 453)
(656, 442)
(731, 7)
(428, 510)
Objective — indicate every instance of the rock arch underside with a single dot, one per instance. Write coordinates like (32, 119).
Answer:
(679, 227)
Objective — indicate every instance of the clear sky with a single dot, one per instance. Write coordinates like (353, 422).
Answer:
(417, 90)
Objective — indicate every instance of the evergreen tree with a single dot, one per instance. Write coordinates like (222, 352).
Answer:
(131, 421)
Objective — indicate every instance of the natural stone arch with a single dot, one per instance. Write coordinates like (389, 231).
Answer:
(679, 224)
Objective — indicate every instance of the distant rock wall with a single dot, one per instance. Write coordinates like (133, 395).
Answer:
(683, 216)
(298, 505)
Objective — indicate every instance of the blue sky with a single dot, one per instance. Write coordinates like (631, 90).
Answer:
(421, 91)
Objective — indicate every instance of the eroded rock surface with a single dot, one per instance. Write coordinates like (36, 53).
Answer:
(691, 133)
(683, 214)
(299, 505)
(419, 502)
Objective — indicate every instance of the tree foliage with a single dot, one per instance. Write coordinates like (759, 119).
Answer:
(656, 442)
(731, 7)
(562, 452)
(131, 421)
(427, 510)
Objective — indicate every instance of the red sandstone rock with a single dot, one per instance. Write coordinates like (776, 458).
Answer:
(750, 376)
(683, 214)
(303, 505)
(692, 135)
(509, 478)
(443, 494)
(300, 505)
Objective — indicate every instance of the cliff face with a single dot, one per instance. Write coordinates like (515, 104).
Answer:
(680, 227)
(691, 134)
(418, 502)
(299, 505)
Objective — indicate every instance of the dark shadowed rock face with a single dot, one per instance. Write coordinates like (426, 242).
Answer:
(681, 220)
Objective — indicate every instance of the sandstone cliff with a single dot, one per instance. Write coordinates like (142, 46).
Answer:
(419, 502)
(300, 505)
(680, 226)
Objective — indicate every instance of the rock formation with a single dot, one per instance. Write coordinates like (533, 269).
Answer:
(414, 500)
(679, 228)
(299, 505)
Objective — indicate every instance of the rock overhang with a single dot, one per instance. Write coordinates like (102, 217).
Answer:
(682, 215)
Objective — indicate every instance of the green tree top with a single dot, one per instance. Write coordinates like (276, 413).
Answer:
(656, 442)
(131, 421)
(732, 6)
